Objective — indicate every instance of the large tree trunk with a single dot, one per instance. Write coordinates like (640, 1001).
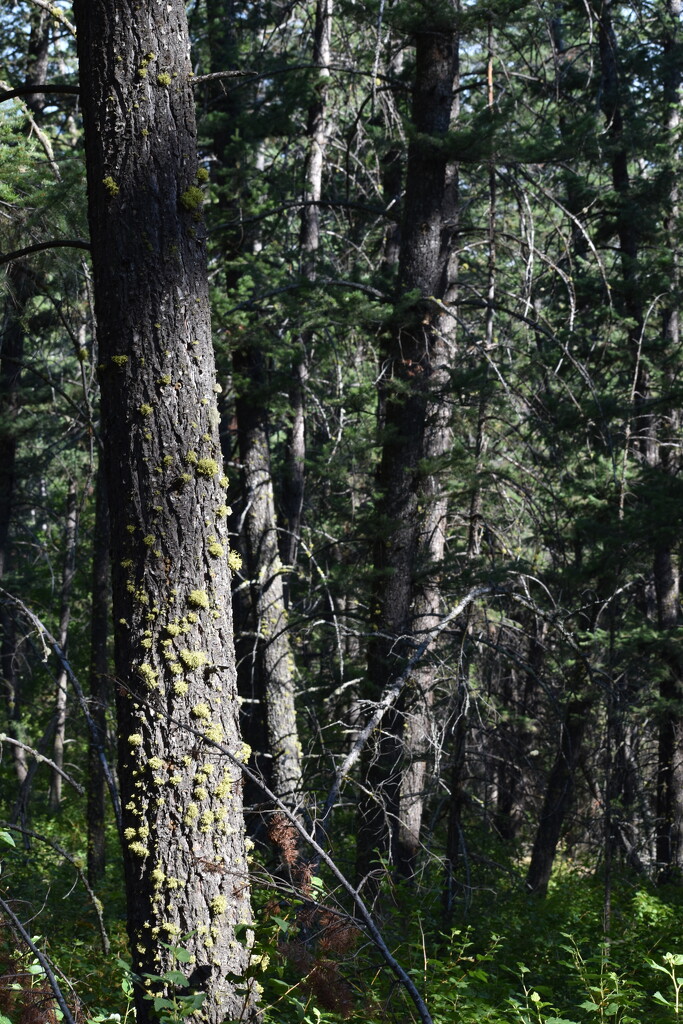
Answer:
(184, 853)
(415, 360)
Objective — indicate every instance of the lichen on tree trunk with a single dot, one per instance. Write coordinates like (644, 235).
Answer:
(186, 870)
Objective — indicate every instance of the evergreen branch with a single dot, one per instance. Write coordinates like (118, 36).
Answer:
(42, 959)
(48, 640)
(74, 863)
(57, 243)
(31, 90)
(333, 282)
(4, 738)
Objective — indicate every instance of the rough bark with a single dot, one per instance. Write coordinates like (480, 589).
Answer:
(184, 853)
(415, 358)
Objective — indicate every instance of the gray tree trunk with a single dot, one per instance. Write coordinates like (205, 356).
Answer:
(184, 853)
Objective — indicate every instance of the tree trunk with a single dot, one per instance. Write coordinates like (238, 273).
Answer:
(68, 572)
(558, 796)
(19, 290)
(416, 361)
(184, 854)
(273, 664)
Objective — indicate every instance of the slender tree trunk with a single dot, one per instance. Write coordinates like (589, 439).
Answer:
(558, 796)
(273, 664)
(19, 290)
(68, 572)
(99, 682)
(416, 358)
(184, 854)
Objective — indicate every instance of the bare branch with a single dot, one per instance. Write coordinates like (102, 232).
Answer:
(57, 243)
(387, 700)
(4, 738)
(30, 90)
(52, 9)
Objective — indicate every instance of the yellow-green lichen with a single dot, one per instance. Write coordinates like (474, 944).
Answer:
(193, 659)
(218, 905)
(244, 754)
(191, 814)
(207, 467)
(119, 361)
(205, 821)
(149, 675)
(192, 198)
(145, 409)
(199, 793)
(138, 848)
(216, 549)
(175, 780)
(129, 833)
(198, 599)
(111, 186)
(180, 688)
(202, 711)
(202, 174)
(149, 540)
(214, 733)
(167, 460)
(135, 739)
(173, 629)
(222, 511)
(163, 78)
(155, 763)
(234, 561)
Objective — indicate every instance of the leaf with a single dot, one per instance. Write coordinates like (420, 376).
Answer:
(659, 998)
(6, 837)
(176, 978)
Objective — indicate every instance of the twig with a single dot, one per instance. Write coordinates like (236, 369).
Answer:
(4, 738)
(42, 959)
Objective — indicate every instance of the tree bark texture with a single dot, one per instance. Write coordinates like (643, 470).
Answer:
(184, 852)
(415, 373)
